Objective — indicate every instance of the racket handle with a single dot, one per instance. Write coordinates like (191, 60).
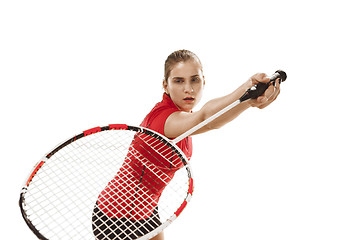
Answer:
(259, 89)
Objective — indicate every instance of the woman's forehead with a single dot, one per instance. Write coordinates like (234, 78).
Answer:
(188, 68)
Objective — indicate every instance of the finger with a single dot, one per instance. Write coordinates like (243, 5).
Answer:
(265, 97)
(264, 104)
(262, 99)
(259, 77)
(274, 90)
(277, 88)
(256, 102)
(270, 95)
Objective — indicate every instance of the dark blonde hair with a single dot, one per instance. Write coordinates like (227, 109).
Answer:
(176, 57)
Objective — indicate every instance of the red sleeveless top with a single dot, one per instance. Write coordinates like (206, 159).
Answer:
(123, 200)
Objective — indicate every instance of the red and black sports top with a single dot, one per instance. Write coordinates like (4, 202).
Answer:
(135, 183)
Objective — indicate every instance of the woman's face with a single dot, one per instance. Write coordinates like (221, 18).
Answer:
(185, 84)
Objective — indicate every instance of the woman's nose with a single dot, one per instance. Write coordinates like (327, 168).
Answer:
(188, 88)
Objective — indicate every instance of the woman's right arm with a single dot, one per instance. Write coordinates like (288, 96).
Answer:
(179, 122)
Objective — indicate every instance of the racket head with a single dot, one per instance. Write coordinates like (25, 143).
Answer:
(59, 198)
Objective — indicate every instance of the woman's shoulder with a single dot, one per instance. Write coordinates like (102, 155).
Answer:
(156, 118)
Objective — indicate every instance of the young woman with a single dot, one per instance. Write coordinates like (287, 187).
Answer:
(183, 85)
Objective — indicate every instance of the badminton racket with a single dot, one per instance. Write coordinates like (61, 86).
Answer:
(115, 182)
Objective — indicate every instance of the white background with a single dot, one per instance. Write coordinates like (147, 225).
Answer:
(290, 171)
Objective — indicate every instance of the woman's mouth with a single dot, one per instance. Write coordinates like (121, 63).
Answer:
(189, 99)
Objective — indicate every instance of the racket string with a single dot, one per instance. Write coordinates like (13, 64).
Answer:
(92, 163)
(150, 166)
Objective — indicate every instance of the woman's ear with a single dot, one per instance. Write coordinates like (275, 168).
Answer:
(165, 86)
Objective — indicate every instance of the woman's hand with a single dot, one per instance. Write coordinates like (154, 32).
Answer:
(271, 93)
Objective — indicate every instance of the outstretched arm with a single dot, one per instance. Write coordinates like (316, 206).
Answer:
(179, 122)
